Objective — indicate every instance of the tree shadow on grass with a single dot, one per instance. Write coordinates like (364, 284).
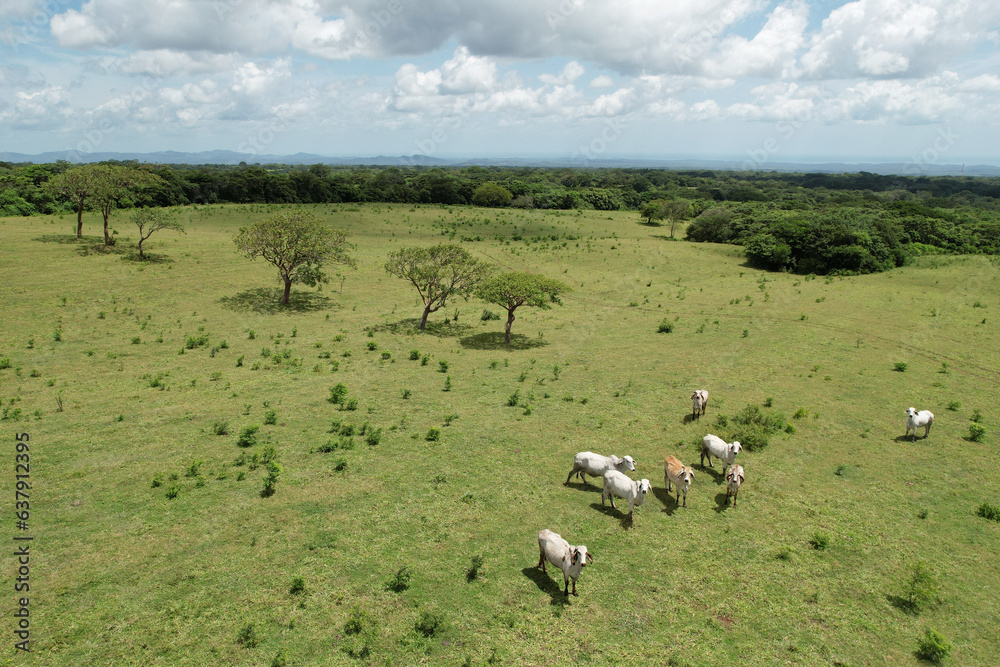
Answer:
(547, 585)
(904, 605)
(267, 301)
(147, 258)
(494, 341)
(412, 325)
(68, 239)
(86, 246)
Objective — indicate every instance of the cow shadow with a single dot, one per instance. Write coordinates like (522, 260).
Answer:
(624, 519)
(720, 502)
(907, 438)
(547, 584)
(718, 476)
(580, 486)
(669, 501)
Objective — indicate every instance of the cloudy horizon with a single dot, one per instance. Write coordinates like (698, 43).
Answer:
(750, 80)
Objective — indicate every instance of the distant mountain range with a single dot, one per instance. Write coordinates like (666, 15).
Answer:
(233, 158)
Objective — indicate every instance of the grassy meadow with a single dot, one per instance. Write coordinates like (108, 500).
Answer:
(123, 372)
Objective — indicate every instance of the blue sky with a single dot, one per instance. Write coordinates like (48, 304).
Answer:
(761, 82)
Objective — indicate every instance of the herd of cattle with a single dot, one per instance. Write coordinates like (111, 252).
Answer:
(571, 559)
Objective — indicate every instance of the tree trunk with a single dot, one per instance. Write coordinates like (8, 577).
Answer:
(423, 319)
(79, 222)
(107, 239)
(510, 320)
(288, 289)
(141, 256)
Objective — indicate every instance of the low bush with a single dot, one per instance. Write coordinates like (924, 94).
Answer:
(820, 541)
(433, 434)
(270, 418)
(337, 393)
(976, 432)
(247, 636)
(933, 647)
(298, 586)
(475, 568)
(400, 581)
(430, 623)
(248, 436)
(988, 511)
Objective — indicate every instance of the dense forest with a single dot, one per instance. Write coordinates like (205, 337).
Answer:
(802, 222)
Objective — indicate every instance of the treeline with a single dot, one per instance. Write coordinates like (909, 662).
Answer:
(812, 222)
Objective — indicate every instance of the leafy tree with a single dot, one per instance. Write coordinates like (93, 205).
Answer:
(438, 273)
(653, 211)
(297, 244)
(764, 251)
(513, 290)
(150, 220)
(492, 195)
(115, 182)
(77, 185)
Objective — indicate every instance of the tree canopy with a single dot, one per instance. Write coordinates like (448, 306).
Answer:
(298, 244)
(151, 220)
(492, 194)
(512, 290)
(438, 273)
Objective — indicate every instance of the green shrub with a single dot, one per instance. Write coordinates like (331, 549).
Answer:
(386, 355)
(988, 511)
(489, 315)
(298, 586)
(372, 346)
(358, 621)
(414, 355)
(752, 427)
(157, 480)
(820, 541)
(247, 636)
(193, 468)
(373, 437)
(976, 432)
(400, 581)
(900, 367)
(665, 327)
(429, 624)
(447, 384)
(172, 491)
(424, 360)
(351, 404)
(442, 366)
(340, 465)
(191, 342)
(933, 647)
(220, 428)
(514, 398)
(5, 363)
(337, 393)
(270, 418)
(921, 590)
(406, 393)
(954, 406)
(433, 434)
(271, 479)
(280, 659)
(248, 436)
(474, 570)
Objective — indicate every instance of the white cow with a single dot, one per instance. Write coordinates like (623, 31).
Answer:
(571, 560)
(915, 420)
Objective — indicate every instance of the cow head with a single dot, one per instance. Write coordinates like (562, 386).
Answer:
(911, 412)
(735, 448)
(645, 487)
(628, 463)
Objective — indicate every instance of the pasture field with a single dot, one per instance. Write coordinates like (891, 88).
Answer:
(153, 358)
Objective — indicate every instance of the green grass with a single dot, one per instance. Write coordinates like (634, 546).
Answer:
(131, 577)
